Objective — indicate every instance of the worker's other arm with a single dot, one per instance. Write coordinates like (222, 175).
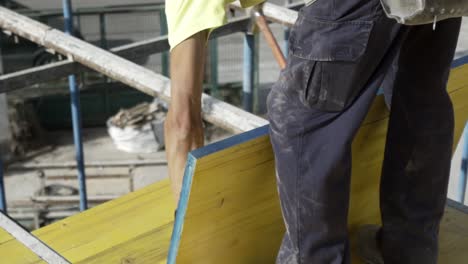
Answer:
(183, 126)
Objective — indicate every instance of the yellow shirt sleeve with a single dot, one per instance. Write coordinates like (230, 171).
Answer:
(188, 17)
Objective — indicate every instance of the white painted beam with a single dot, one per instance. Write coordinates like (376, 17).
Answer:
(115, 67)
(30, 241)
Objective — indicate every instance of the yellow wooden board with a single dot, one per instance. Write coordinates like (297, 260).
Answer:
(132, 229)
(454, 237)
(16, 249)
(232, 211)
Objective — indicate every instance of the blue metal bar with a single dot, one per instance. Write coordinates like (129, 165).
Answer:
(287, 32)
(464, 168)
(3, 205)
(76, 113)
(213, 47)
(102, 30)
(103, 39)
(249, 74)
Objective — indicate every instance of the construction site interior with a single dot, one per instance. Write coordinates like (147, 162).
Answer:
(229, 209)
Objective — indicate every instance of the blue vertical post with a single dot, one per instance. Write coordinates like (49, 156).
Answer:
(3, 205)
(76, 113)
(250, 73)
(103, 39)
(102, 30)
(213, 48)
(78, 29)
(287, 32)
(464, 168)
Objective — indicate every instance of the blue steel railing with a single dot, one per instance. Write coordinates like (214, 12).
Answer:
(76, 113)
(250, 71)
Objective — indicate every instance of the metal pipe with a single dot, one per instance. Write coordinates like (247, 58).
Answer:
(102, 30)
(287, 32)
(213, 47)
(122, 70)
(165, 54)
(249, 74)
(279, 14)
(3, 204)
(464, 168)
(103, 163)
(103, 39)
(128, 9)
(270, 38)
(76, 113)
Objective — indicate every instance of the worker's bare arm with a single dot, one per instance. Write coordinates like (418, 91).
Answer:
(183, 127)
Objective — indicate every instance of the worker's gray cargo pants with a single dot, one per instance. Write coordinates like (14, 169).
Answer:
(341, 53)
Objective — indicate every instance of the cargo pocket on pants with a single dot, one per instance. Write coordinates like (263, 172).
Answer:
(332, 52)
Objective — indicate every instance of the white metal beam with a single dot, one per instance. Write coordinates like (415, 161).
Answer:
(118, 68)
(54, 71)
(30, 241)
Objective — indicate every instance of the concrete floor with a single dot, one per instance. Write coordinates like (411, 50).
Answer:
(24, 179)
(110, 171)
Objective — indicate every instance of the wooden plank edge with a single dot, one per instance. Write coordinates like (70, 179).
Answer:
(460, 62)
(188, 178)
(231, 141)
(457, 206)
(181, 209)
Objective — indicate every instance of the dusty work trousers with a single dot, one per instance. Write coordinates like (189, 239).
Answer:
(341, 53)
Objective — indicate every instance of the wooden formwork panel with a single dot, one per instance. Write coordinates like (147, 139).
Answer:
(14, 248)
(135, 228)
(229, 209)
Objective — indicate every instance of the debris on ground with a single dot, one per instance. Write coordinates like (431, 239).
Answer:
(27, 133)
(139, 129)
